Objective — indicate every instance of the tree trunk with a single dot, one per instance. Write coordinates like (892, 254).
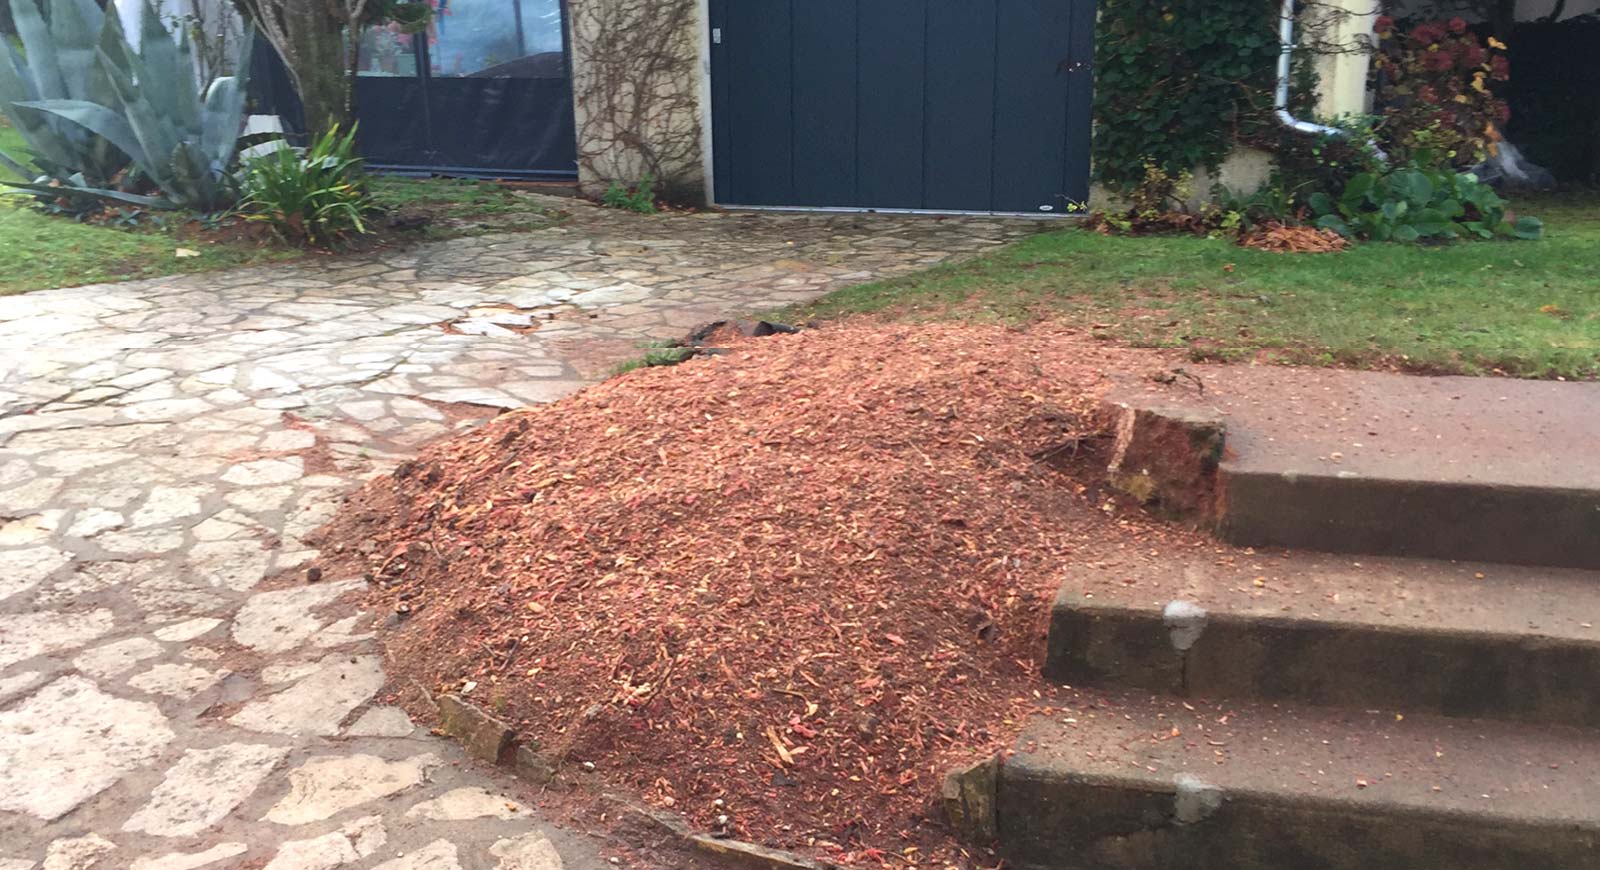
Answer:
(319, 64)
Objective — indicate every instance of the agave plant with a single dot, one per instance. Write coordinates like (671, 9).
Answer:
(59, 61)
(179, 137)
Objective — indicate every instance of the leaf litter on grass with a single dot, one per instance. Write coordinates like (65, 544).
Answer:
(780, 590)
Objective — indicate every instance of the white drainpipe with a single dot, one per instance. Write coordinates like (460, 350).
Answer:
(1281, 103)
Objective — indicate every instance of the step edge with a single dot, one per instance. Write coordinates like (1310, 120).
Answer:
(1375, 806)
(1307, 623)
(1231, 468)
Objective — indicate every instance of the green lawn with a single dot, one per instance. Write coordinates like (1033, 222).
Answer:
(1524, 308)
(39, 250)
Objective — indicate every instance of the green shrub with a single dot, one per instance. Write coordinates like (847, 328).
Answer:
(1271, 204)
(1178, 82)
(317, 195)
(641, 199)
(1436, 90)
(1417, 201)
(180, 138)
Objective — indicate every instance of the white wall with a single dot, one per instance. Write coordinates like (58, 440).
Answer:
(220, 16)
(1530, 10)
(1527, 10)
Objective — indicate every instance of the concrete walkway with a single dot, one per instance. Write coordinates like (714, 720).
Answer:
(167, 445)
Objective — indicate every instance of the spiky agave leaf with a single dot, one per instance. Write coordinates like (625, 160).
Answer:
(92, 117)
(181, 140)
(57, 60)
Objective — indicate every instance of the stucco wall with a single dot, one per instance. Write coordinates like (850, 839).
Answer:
(1340, 32)
(1526, 10)
(637, 83)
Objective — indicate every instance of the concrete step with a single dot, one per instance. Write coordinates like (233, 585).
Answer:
(1140, 782)
(1470, 640)
(1362, 462)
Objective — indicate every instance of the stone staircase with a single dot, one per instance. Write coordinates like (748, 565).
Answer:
(1288, 710)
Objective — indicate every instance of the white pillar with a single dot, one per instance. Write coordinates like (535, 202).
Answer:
(1345, 28)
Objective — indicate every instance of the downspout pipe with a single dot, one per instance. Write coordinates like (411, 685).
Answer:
(1281, 102)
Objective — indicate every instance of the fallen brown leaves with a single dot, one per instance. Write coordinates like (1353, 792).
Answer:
(790, 585)
(1294, 240)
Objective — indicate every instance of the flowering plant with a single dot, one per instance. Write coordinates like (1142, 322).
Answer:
(1434, 90)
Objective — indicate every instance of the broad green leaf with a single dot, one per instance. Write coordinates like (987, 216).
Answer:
(93, 117)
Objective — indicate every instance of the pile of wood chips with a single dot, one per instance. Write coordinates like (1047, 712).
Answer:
(781, 590)
(1294, 240)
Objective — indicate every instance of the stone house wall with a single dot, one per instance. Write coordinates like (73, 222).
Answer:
(639, 94)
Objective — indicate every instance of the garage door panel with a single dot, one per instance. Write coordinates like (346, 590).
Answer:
(824, 145)
(1030, 128)
(959, 128)
(759, 100)
(973, 105)
(1080, 102)
(889, 102)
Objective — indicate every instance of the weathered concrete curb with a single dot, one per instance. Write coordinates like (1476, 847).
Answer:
(968, 797)
(1050, 817)
(738, 853)
(490, 739)
(1424, 668)
(1344, 513)
(487, 738)
(1172, 459)
(1167, 458)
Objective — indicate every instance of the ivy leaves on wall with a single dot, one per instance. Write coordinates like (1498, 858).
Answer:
(1178, 82)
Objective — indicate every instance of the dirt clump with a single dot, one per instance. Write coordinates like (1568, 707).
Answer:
(781, 590)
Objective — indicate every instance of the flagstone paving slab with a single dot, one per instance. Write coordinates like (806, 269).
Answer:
(174, 693)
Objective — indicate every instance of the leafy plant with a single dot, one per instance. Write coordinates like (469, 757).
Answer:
(1419, 201)
(640, 198)
(1435, 90)
(317, 195)
(1158, 202)
(1211, 84)
(130, 218)
(1326, 161)
(57, 61)
(179, 138)
(1273, 203)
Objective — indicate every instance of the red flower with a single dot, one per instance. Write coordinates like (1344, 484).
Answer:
(1427, 94)
(1472, 55)
(1499, 68)
(1427, 34)
(1438, 61)
(1457, 25)
(1384, 24)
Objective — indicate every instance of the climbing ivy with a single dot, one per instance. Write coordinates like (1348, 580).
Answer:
(1178, 82)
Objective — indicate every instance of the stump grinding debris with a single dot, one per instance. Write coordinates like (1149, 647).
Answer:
(780, 590)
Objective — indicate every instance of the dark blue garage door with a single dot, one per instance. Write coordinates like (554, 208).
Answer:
(960, 105)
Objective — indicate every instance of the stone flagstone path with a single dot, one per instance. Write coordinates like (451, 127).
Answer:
(166, 445)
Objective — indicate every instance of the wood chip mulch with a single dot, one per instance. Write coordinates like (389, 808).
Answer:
(781, 590)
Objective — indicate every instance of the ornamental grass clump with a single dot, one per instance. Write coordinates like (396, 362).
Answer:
(317, 195)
